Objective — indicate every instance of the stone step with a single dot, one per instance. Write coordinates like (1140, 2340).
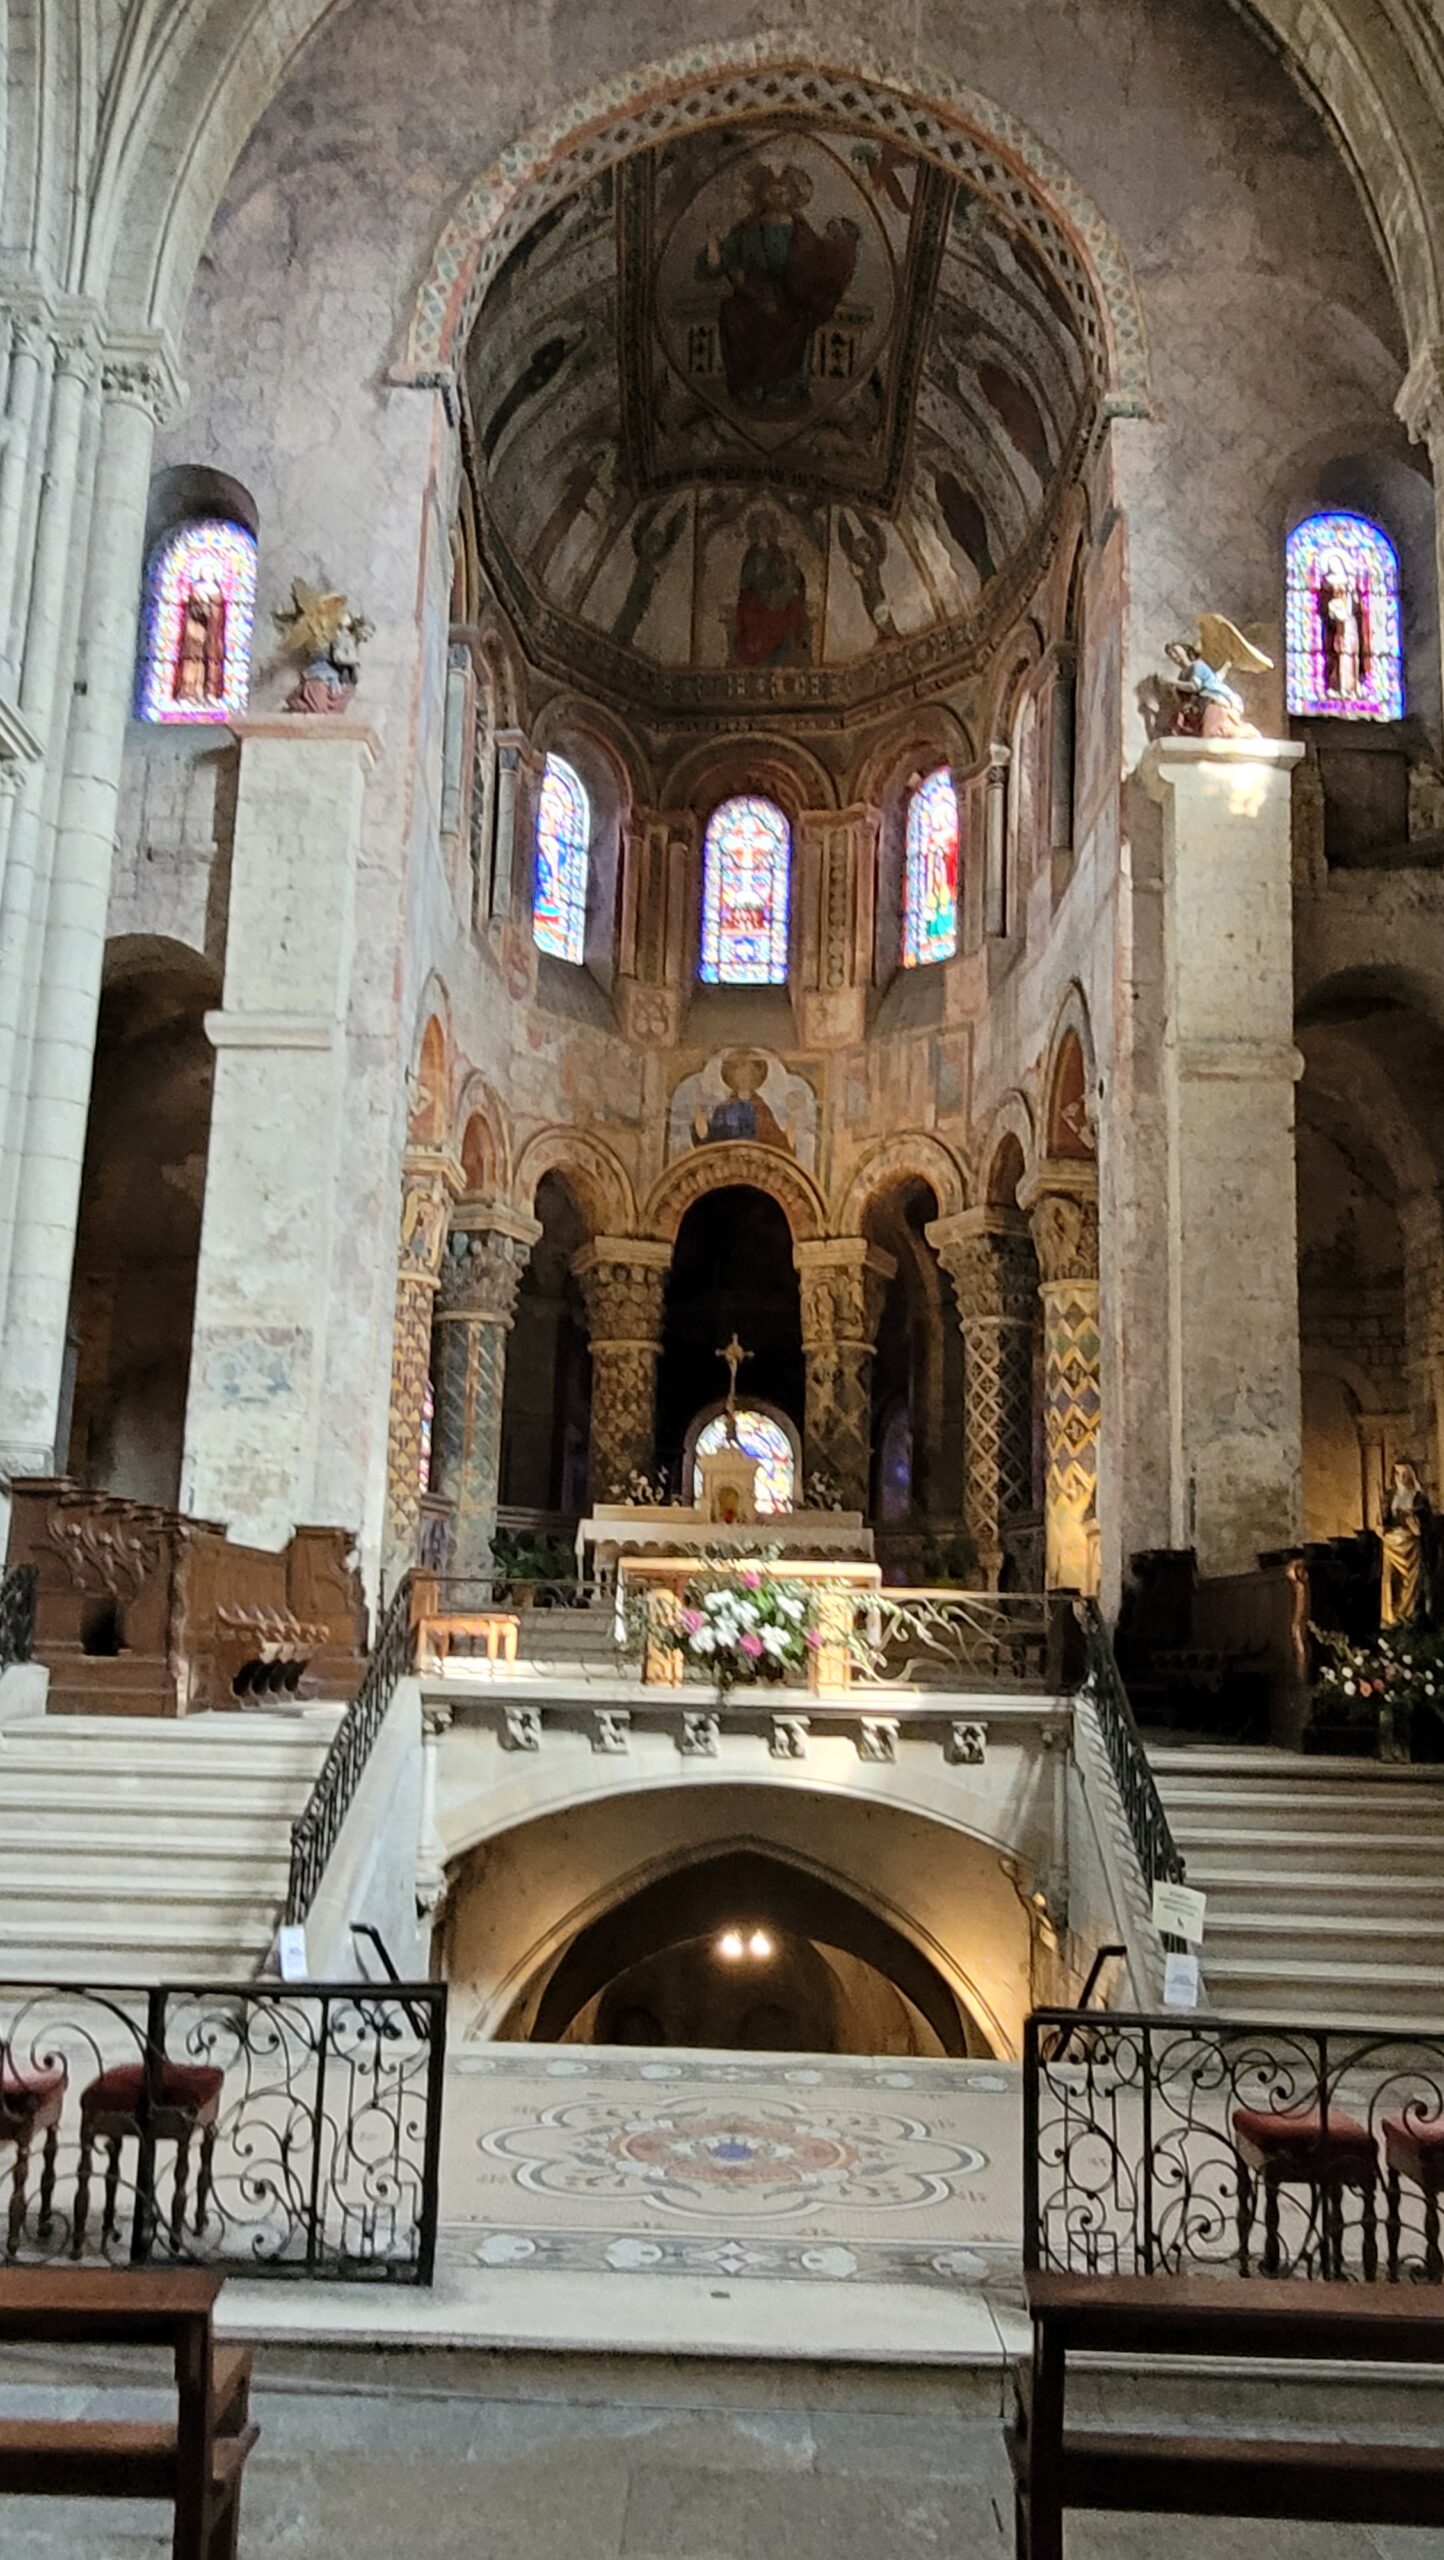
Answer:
(1415, 1813)
(30, 1861)
(1284, 1853)
(207, 1825)
(1332, 1991)
(1398, 1941)
(155, 1757)
(1300, 1890)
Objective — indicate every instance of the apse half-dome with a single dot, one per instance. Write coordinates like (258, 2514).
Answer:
(776, 412)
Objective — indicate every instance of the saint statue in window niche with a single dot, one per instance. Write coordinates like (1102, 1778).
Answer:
(200, 663)
(1342, 603)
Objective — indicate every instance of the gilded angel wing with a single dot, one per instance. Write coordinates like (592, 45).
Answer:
(1223, 645)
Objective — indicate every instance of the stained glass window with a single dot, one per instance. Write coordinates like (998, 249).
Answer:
(1344, 656)
(764, 1440)
(563, 833)
(930, 874)
(200, 603)
(428, 1427)
(746, 882)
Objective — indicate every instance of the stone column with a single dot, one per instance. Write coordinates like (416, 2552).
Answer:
(835, 872)
(987, 1255)
(1229, 1068)
(267, 1290)
(1062, 1202)
(22, 391)
(844, 1282)
(429, 1185)
(1420, 404)
(654, 925)
(623, 1282)
(481, 1267)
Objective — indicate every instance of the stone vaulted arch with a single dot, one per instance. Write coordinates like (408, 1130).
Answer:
(717, 1168)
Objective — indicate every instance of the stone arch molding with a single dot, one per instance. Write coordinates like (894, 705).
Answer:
(893, 1160)
(727, 83)
(599, 1179)
(736, 1161)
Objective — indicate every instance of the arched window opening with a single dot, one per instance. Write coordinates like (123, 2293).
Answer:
(763, 1439)
(563, 836)
(1345, 660)
(930, 872)
(199, 609)
(746, 883)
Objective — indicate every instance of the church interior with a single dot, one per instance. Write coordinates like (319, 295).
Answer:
(722, 1250)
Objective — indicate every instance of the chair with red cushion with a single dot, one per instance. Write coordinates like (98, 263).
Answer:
(1294, 2147)
(31, 2100)
(184, 2101)
(1414, 2149)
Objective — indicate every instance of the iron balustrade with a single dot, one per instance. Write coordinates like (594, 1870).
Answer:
(269, 2128)
(17, 1615)
(1179, 2145)
(1159, 1857)
(316, 1831)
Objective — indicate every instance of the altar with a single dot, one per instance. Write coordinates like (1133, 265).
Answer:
(616, 1529)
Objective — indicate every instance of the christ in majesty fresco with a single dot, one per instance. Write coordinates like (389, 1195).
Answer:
(784, 280)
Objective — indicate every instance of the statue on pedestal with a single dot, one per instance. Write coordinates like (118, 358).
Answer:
(326, 636)
(1405, 1593)
(1207, 704)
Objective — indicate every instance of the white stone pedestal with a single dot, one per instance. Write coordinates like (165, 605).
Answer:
(1229, 1071)
(266, 1286)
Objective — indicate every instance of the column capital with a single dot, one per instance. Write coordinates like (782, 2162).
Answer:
(1061, 1199)
(844, 1281)
(988, 1255)
(623, 1282)
(482, 1265)
(430, 1184)
(138, 368)
(1419, 401)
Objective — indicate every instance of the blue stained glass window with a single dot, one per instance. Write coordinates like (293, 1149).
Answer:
(746, 881)
(200, 602)
(930, 875)
(1343, 648)
(563, 834)
(764, 1440)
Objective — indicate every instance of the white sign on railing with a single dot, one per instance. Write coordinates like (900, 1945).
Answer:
(1178, 1911)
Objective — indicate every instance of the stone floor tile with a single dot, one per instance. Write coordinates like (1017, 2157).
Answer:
(673, 2511)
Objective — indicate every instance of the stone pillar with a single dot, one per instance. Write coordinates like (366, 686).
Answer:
(623, 1282)
(481, 1267)
(654, 926)
(1062, 1202)
(22, 392)
(987, 1255)
(1420, 404)
(1229, 1068)
(844, 1282)
(429, 1185)
(67, 937)
(834, 880)
(266, 1289)
(996, 919)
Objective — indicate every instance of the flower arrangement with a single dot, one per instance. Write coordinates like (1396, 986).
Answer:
(745, 1626)
(1380, 1686)
(649, 1493)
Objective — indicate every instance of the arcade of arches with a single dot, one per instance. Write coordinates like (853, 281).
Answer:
(729, 851)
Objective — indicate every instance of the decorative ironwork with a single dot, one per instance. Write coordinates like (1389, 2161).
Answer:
(273, 2128)
(315, 1833)
(950, 1639)
(1158, 1855)
(17, 1615)
(1167, 2145)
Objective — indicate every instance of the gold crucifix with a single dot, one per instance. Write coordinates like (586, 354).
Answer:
(734, 1355)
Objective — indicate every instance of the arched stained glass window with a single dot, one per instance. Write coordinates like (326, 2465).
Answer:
(930, 872)
(200, 604)
(563, 834)
(746, 884)
(1345, 660)
(764, 1440)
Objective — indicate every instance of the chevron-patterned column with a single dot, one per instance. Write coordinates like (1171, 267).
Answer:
(844, 1281)
(429, 1185)
(481, 1268)
(1064, 1224)
(989, 1259)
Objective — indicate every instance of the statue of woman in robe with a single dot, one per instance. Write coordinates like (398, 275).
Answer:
(1407, 1522)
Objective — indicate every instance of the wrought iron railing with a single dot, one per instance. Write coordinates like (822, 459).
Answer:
(270, 2128)
(1159, 1857)
(946, 1638)
(1187, 2145)
(17, 1615)
(315, 1833)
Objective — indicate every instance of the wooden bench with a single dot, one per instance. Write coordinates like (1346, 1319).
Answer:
(193, 2464)
(435, 1627)
(1152, 2318)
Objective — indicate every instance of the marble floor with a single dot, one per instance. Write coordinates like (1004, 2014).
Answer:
(367, 2455)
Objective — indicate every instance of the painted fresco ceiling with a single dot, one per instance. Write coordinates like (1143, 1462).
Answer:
(774, 414)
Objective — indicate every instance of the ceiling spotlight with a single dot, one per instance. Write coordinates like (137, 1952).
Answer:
(759, 1945)
(730, 1945)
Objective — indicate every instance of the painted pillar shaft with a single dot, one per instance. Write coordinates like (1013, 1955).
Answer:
(428, 1191)
(1229, 1071)
(844, 1281)
(987, 1257)
(1062, 1202)
(52, 1146)
(623, 1282)
(265, 1287)
(481, 1272)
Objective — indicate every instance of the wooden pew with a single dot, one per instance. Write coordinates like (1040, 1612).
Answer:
(195, 2463)
(1152, 2318)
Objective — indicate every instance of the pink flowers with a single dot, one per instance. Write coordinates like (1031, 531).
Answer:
(691, 1620)
(750, 1579)
(751, 1646)
(813, 1639)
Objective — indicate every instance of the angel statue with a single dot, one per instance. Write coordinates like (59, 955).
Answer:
(325, 636)
(1208, 706)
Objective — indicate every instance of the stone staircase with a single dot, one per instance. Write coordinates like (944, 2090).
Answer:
(143, 1850)
(1325, 1883)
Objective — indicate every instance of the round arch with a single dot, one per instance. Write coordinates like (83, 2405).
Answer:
(912, 1155)
(782, 769)
(482, 1141)
(1012, 1120)
(720, 1167)
(599, 1179)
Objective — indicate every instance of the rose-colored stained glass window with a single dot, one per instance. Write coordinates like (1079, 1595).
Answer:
(563, 835)
(762, 1439)
(428, 1427)
(200, 605)
(1345, 660)
(746, 882)
(930, 873)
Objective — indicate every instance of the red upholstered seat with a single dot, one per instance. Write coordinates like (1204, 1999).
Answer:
(47, 2081)
(189, 2087)
(1294, 2139)
(1415, 2148)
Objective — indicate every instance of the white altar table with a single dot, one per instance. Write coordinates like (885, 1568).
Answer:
(615, 1529)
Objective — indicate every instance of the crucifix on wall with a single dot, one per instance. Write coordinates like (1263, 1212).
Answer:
(733, 1354)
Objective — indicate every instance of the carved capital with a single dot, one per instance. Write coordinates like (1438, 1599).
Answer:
(623, 1282)
(1419, 401)
(139, 373)
(1062, 1206)
(428, 1189)
(988, 1256)
(480, 1275)
(843, 1281)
